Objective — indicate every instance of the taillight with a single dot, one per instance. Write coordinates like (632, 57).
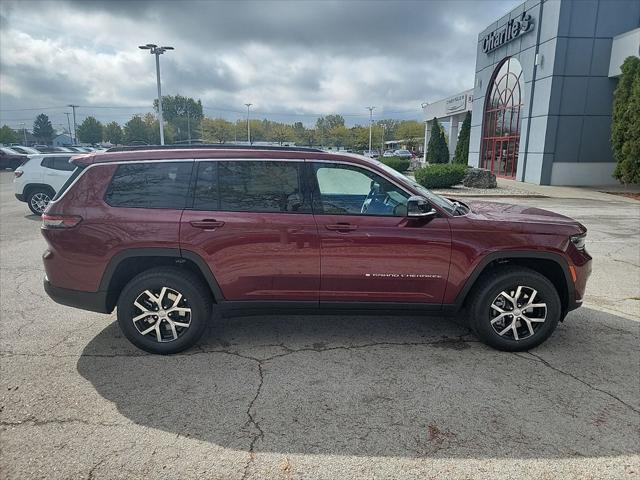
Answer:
(50, 221)
(18, 173)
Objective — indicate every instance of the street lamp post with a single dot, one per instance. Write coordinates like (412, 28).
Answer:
(24, 132)
(68, 122)
(370, 126)
(75, 135)
(248, 105)
(157, 51)
(424, 148)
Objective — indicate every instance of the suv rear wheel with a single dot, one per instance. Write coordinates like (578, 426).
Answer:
(164, 310)
(515, 309)
(38, 199)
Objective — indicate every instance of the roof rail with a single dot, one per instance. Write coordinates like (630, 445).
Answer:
(215, 146)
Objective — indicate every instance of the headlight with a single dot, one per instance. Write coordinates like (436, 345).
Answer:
(579, 240)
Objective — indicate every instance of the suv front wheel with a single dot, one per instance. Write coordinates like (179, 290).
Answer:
(514, 309)
(164, 310)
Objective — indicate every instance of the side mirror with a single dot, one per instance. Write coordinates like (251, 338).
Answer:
(419, 207)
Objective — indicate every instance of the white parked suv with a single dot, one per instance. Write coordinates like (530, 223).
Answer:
(39, 179)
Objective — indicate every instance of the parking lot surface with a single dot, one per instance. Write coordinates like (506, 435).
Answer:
(315, 396)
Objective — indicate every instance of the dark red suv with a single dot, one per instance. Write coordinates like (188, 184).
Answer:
(162, 234)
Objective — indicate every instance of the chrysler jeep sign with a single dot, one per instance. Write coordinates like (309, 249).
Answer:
(512, 30)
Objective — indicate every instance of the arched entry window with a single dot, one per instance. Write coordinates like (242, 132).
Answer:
(501, 130)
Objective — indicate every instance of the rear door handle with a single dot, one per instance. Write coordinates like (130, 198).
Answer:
(207, 224)
(341, 227)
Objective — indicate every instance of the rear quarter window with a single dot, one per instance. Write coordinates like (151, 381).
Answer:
(150, 185)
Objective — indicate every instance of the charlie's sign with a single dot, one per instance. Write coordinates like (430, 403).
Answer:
(512, 30)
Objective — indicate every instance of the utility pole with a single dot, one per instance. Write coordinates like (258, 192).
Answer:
(426, 125)
(157, 51)
(75, 136)
(68, 121)
(248, 105)
(188, 123)
(24, 132)
(370, 126)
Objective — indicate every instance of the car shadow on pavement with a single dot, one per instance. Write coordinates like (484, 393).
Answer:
(35, 218)
(383, 385)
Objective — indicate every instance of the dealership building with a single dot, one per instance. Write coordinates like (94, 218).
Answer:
(542, 99)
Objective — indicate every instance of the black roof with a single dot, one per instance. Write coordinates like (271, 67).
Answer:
(215, 146)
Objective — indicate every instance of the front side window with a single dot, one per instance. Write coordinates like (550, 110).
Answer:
(250, 186)
(350, 190)
(150, 185)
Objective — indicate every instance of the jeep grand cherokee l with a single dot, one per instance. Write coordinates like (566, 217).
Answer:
(162, 234)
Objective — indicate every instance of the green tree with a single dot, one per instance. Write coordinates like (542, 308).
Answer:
(625, 124)
(217, 130)
(462, 147)
(437, 150)
(411, 132)
(113, 133)
(340, 136)
(42, 129)
(183, 114)
(282, 133)
(90, 131)
(153, 130)
(135, 130)
(7, 135)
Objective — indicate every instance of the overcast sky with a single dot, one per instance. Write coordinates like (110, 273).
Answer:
(292, 60)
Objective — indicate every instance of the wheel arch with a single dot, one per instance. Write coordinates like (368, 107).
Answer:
(552, 265)
(30, 187)
(127, 264)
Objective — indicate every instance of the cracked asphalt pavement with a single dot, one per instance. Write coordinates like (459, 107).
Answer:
(318, 396)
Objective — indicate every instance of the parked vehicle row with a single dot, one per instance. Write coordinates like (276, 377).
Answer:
(162, 234)
(13, 156)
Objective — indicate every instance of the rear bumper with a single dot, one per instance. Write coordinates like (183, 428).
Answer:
(92, 301)
(20, 197)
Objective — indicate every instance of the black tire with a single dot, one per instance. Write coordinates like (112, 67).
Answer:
(38, 197)
(195, 296)
(508, 279)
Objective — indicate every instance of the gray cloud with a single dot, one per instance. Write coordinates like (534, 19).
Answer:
(286, 57)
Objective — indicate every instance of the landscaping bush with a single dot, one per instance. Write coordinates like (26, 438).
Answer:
(625, 123)
(440, 175)
(397, 163)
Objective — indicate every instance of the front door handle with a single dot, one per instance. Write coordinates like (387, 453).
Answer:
(341, 227)
(207, 224)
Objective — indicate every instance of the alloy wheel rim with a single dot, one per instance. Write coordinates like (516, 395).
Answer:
(517, 313)
(162, 314)
(40, 201)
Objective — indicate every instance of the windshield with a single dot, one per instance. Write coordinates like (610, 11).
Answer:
(435, 199)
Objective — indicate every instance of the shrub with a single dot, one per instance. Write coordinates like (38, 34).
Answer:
(462, 147)
(397, 163)
(625, 124)
(437, 150)
(440, 175)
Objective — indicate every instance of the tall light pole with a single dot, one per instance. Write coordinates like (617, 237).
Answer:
(424, 148)
(248, 105)
(75, 136)
(157, 51)
(24, 132)
(68, 121)
(370, 125)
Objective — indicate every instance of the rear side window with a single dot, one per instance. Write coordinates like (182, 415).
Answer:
(58, 163)
(250, 186)
(67, 184)
(150, 185)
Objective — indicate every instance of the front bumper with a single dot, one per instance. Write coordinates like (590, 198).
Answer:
(20, 197)
(92, 301)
